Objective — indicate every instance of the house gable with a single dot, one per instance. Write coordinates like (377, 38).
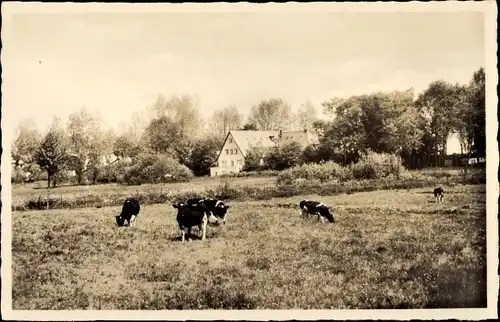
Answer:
(229, 137)
(231, 154)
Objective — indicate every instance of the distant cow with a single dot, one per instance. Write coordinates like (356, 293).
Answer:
(190, 215)
(216, 209)
(438, 194)
(130, 211)
(308, 207)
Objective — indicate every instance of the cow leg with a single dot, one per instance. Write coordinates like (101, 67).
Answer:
(183, 232)
(204, 228)
(132, 220)
(322, 219)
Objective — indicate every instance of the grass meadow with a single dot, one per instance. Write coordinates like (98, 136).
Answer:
(23, 192)
(387, 249)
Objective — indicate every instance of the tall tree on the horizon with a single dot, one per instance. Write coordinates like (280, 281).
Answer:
(272, 114)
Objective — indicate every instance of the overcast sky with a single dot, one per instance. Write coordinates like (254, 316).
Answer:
(119, 62)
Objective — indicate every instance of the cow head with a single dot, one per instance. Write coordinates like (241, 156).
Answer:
(220, 211)
(325, 212)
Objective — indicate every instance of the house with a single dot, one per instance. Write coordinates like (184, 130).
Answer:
(232, 155)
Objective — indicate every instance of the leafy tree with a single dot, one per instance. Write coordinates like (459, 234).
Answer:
(52, 153)
(318, 153)
(250, 127)
(284, 156)
(346, 133)
(471, 116)
(162, 134)
(124, 146)
(204, 155)
(477, 101)
(272, 114)
(437, 107)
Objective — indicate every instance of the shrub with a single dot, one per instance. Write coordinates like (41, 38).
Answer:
(284, 156)
(254, 159)
(313, 173)
(257, 173)
(377, 166)
(155, 168)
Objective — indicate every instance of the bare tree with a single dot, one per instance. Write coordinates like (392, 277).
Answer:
(225, 119)
(306, 115)
(26, 143)
(83, 132)
(183, 110)
(272, 114)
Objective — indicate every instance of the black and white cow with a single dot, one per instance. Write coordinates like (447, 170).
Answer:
(309, 207)
(438, 194)
(217, 209)
(130, 211)
(190, 215)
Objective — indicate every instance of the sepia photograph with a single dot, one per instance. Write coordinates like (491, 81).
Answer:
(224, 160)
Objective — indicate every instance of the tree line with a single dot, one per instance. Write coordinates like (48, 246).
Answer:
(395, 122)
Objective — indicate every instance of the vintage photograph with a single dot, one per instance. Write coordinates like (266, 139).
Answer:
(230, 158)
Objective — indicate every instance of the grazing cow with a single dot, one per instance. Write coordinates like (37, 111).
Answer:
(215, 209)
(190, 215)
(308, 207)
(130, 211)
(438, 194)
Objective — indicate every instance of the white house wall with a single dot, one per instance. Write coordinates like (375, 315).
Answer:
(231, 156)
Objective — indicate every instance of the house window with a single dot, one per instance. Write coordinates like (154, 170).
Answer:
(227, 151)
(232, 163)
(235, 151)
(230, 140)
(232, 152)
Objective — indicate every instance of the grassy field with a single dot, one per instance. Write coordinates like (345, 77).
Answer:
(23, 192)
(388, 249)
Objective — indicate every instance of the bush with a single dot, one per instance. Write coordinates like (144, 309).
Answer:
(18, 175)
(284, 157)
(377, 166)
(256, 173)
(155, 168)
(254, 160)
(313, 173)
